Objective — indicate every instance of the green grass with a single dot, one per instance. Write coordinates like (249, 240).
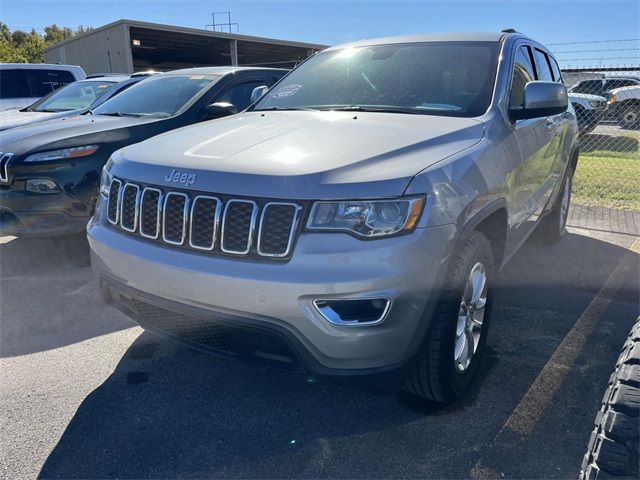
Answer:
(608, 172)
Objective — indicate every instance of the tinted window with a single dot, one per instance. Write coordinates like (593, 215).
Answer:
(43, 82)
(74, 96)
(523, 73)
(162, 96)
(434, 78)
(557, 76)
(593, 87)
(542, 65)
(240, 95)
(12, 84)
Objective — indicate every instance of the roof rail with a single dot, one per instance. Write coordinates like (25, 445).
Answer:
(508, 30)
(96, 75)
(143, 74)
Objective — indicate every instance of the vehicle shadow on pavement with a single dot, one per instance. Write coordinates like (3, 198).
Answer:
(167, 411)
(46, 301)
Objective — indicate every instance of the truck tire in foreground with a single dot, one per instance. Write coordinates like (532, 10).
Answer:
(613, 447)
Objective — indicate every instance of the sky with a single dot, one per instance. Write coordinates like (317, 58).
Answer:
(332, 22)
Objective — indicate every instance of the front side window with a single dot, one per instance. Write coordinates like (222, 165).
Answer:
(542, 65)
(523, 73)
(591, 87)
(239, 95)
(611, 84)
(74, 96)
(160, 96)
(42, 82)
(431, 78)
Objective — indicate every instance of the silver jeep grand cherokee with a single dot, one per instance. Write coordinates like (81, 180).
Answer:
(352, 221)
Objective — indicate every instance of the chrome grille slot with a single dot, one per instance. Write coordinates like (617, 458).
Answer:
(174, 218)
(211, 224)
(277, 228)
(4, 162)
(150, 212)
(238, 225)
(203, 223)
(129, 207)
(113, 205)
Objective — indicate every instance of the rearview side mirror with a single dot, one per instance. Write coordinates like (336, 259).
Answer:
(542, 99)
(220, 109)
(258, 92)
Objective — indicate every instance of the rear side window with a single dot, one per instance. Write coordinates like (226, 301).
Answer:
(592, 87)
(542, 65)
(12, 84)
(43, 82)
(523, 73)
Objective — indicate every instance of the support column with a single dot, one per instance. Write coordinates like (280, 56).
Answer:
(234, 53)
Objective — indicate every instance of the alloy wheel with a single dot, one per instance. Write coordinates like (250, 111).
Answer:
(470, 317)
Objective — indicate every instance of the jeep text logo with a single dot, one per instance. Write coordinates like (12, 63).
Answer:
(178, 177)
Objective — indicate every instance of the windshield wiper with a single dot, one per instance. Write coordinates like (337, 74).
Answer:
(362, 108)
(121, 114)
(283, 109)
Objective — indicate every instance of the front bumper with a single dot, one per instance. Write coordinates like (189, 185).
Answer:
(277, 298)
(67, 212)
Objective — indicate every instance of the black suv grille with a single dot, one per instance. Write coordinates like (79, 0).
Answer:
(233, 226)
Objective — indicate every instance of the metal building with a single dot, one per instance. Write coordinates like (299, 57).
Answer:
(129, 46)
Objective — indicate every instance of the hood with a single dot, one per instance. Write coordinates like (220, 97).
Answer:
(60, 133)
(300, 154)
(586, 96)
(17, 118)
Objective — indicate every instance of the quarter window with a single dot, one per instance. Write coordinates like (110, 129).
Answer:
(523, 73)
(557, 76)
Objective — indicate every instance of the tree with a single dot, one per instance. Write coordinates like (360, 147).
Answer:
(28, 47)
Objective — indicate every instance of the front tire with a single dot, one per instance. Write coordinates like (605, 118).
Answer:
(629, 116)
(451, 353)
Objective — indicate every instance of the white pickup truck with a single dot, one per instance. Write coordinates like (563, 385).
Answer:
(624, 106)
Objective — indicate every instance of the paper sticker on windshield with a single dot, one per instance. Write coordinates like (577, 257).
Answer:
(287, 91)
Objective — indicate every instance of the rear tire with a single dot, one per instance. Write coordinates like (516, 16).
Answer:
(554, 224)
(614, 446)
(442, 372)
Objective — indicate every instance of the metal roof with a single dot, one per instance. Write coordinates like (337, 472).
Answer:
(427, 37)
(194, 31)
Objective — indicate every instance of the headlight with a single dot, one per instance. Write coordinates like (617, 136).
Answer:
(594, 103)
(74, 152)
(105, 182)
(367, 218)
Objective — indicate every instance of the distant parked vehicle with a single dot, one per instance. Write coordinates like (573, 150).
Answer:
(589, 110)
(624, 106)
(73, 99)
(50, 171)
(21, 84)
(603, 86)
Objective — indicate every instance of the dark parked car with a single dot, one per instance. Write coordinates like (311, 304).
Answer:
(50, 171)
(74, 98)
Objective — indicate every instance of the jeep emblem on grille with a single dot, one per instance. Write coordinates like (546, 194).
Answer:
(175, 176)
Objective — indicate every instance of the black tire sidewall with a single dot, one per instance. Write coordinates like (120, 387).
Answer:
(456, 382)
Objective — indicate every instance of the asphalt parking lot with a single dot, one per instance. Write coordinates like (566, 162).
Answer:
(86, 394)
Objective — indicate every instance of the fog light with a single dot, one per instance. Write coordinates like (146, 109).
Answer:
(362, 311)
(41, 185)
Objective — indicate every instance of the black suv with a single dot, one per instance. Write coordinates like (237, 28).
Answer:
(50, 172)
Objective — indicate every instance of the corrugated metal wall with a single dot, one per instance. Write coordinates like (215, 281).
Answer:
(105, 51)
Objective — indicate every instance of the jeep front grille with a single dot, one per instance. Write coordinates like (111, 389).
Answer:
(4, 163)
(203, 222)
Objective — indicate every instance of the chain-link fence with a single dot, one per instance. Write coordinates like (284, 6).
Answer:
(604, 88)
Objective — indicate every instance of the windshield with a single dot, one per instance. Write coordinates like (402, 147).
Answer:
(443, 78)
(162, 96)
(74, 96)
